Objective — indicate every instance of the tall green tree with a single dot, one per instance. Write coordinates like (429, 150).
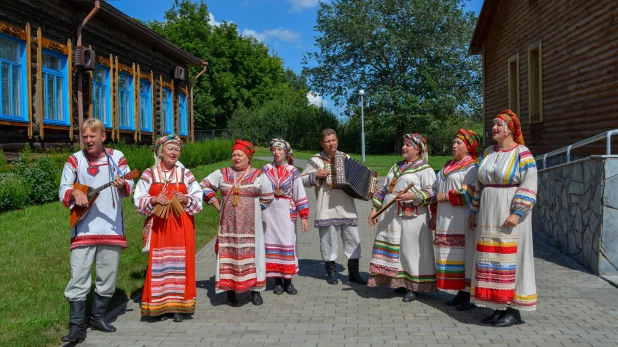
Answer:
(241, 72)
(410, 57)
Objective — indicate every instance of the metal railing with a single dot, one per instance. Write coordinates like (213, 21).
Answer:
(608, 147)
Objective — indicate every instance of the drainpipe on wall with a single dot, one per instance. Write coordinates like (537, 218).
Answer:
(205, 63)
(80, 97)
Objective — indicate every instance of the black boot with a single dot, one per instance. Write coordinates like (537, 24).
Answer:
(457, 299)
(278, 286)
(256, 298)
(409, 296)
(465, 304)
(99, 307)
(330, 272)
(77, 323)
(353, 274)
(178, 317)
(231, 298)
(511, 317)
(289, 287)
(494, 317)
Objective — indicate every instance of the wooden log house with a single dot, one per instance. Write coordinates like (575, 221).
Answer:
(553, 62)
(132, 88)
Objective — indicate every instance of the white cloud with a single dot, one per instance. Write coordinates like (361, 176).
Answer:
(252, 33)
(278, 34)
(316, 99)
(299, 5)
(212, 21)
(283, 34)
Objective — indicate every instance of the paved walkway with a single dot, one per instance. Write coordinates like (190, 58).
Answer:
(576, 308)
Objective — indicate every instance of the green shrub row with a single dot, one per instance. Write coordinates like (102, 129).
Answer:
(32, 180)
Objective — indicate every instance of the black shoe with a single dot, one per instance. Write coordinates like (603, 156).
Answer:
(409, 296)
(400, 290)
(465, 304)
(330, 272)
(77, 322)
(494, 317)
(256, 298)
(510, 318)
(231, 298)
(289, 287)
(354, 275)
(457, 299)
(278, 287)
(99, 307)
(165, 316)
(178, 317)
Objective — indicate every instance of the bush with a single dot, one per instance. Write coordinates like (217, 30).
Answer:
(193, 154)
(3, 160)
(13, 192)
(41, 178)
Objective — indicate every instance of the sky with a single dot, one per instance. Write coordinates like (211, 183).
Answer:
(285, 26)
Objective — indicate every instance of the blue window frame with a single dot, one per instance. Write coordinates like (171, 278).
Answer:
(55, 87)
(101, 95)
(182, 107)
(166, 112)
(125, 102)
(13, 93)
(145, 108)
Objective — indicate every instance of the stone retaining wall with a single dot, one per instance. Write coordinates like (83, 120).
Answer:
(577, 211)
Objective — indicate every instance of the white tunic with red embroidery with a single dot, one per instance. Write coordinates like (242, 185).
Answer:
(103, 223)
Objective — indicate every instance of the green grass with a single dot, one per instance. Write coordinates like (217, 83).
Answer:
(34, 266)
(381, 163)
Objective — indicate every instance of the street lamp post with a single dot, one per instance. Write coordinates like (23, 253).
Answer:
(361, 93)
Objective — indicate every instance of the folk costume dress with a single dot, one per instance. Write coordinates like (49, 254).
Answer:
(279, 220)
(504, 260)
(454, 242)
(170, 277)
(403, 253)
(241, 264)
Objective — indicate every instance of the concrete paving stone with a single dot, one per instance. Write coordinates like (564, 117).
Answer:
(575, 308)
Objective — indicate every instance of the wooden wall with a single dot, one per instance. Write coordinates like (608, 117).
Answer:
(58, 21)
(579, 64)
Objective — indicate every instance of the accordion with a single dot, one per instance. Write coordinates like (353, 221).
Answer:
(353, 177)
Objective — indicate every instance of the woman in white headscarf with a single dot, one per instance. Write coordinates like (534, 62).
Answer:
(279, 219)
(402, 254)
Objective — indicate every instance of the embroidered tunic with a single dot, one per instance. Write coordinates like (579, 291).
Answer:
(170, 277)
(103, 223)
(279, 220)
(454, 241)
(402, 253)
(333, 206)
(504, 260)
(241, 256)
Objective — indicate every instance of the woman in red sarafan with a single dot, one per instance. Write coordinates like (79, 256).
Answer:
(169, 195)
(245, 192)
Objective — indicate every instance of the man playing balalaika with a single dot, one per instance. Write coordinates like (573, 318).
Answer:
(335, 212)
(99, 234)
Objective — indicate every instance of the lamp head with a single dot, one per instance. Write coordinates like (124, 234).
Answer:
(361, 92)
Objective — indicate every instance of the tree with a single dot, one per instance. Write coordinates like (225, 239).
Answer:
(241, 72)
(410, 56)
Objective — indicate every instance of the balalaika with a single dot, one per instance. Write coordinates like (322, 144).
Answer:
(352, 176)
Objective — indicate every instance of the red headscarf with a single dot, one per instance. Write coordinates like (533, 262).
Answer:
(244, 146)
(510, 118)
(471, 139)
